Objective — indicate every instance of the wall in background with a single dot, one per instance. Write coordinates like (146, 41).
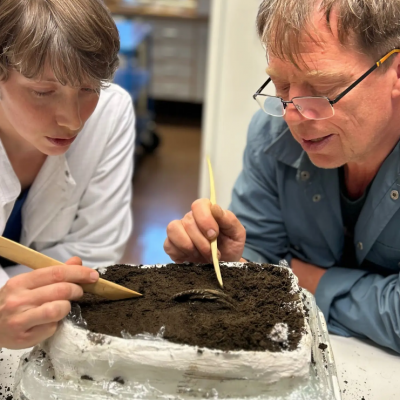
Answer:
(236, 69)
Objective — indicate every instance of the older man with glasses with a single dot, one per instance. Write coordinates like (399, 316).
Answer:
(321, 173)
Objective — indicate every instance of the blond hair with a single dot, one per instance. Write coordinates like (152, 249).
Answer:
(77, 38)
(374, 24)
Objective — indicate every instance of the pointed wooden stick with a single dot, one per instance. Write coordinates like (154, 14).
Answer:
(35, 260)
(214, 248)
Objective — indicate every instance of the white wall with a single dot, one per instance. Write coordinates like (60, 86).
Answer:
(236, 69)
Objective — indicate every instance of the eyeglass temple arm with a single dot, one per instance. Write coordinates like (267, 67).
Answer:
(261, 88)
(354, 84)
(383, 59)
(373, 68)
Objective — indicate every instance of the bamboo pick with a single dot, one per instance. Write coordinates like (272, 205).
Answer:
(214, 248)
(35, 260)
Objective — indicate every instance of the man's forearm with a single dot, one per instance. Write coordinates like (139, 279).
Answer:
(309, 275)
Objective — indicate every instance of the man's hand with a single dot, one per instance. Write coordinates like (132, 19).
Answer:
(189, 238)
(32, 304)
(309, 275)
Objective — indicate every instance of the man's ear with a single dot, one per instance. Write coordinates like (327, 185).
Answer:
(396, 83)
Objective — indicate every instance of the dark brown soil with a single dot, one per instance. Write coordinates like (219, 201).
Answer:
(322, 346)
(241, 316)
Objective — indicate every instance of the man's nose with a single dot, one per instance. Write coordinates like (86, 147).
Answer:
(68, 114)
(293, 115)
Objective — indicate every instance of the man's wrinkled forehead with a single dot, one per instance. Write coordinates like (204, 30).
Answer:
(318, 40)
(322, 57)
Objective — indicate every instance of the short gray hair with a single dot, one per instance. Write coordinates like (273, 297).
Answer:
(375, 25)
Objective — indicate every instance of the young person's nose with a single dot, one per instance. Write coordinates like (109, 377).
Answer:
(69, 113)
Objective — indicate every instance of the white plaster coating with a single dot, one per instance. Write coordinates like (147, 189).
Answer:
(73, 354)
(102, 270)
(279, 333)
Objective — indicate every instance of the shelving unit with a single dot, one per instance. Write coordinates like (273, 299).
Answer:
(179, 48)
(163, 57)
(134, 75)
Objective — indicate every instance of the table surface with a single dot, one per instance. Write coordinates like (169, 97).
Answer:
(364, 370)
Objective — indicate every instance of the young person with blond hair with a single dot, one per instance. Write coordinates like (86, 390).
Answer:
(320, 185)
(66, 155)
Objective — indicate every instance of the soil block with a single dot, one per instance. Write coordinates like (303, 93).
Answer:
(187, 301)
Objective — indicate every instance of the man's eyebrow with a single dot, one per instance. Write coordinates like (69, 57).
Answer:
(315, 75)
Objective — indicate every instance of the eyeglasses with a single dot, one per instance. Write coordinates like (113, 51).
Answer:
(310, 107)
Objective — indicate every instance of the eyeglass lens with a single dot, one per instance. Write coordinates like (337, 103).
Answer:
(309, 107)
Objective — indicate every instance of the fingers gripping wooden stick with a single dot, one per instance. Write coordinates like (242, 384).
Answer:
(214, 248)
(35, 260)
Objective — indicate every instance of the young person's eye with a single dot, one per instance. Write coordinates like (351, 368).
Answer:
(42, 94)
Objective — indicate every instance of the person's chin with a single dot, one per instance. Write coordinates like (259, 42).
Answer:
(325, 161)
(52, 151)
(58, 151)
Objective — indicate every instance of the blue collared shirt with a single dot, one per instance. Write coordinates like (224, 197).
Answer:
(13, 227)
(291, 208)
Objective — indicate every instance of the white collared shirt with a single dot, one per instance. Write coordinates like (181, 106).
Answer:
(80, 202)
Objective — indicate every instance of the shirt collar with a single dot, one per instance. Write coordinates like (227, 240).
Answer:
(285, 148)
(10, 187)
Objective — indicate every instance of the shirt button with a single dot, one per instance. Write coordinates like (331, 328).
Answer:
(305, 176)
(67, 174)
(394, 194)
(316, 198)
(360, 246)
(298, 248)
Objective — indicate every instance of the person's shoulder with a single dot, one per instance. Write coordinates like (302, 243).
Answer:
(113, 109)
(265, 129)
(114, 95)
(270, 138)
